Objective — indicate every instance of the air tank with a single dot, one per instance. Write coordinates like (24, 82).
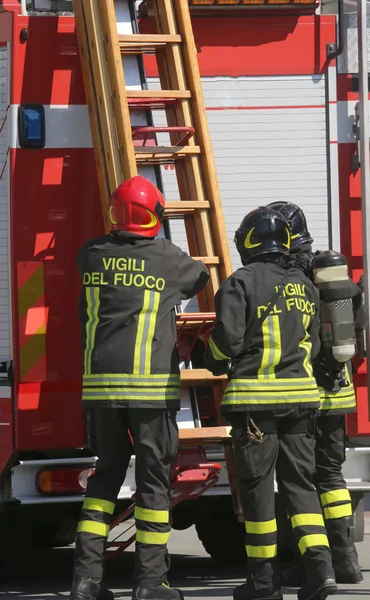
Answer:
(337, 330)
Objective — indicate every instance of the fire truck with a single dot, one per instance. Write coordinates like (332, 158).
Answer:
(281, 88)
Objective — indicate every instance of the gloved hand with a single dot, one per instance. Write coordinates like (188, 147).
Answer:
(217, 367)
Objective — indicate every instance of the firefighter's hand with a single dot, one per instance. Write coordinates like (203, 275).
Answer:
(217, 367)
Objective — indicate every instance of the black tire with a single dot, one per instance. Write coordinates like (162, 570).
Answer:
(219, 530)
(54, 535)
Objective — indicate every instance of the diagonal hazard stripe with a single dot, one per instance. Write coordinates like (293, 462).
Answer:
(32, 322)
(30, 291)
(32, 351)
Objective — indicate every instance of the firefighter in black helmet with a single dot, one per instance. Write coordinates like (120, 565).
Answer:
(132, 281)
(265, 333)
(330, 425)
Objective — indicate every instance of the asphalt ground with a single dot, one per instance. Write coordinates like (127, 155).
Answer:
(46, 574)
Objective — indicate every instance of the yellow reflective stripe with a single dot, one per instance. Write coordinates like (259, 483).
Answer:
(315, 539)
(152, 537)
(306, 345)
(305, 519)
(306, 382)
(271, 340)
(261, 551)
(153, 516)
(338, 512)
(130, 395)
(140, 332)
(99, 505)
(91, 377)
(335, 496)
(252, 397)
(261, 526)
(149, 339)
(93, 303)
(277, 342)
(216, 352)
(93, 527)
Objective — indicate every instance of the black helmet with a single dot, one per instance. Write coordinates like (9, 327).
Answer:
(262, 231)
(297, 222)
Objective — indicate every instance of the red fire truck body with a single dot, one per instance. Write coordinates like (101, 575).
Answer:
(280, 117)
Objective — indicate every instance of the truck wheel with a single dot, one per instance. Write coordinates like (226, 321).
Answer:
(52, 535)
(219, 530)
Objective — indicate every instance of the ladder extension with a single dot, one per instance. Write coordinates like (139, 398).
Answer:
(120, 148)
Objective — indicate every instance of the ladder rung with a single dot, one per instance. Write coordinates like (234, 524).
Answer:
(149, 132)
(199, 377)
(162, 154)
(138, 44)
(204, 436)
(159, 94)
(208, 260)
(185, 319)
(180, 207)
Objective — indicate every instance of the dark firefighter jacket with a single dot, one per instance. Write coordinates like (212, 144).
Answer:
(344, 400)
(273, 368)
(130, 288)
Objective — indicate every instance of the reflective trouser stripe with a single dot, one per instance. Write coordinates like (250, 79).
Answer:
(315, 539)
(333, 496)
(152, 537)
(99, 505)
(342, 499)
(338, 512)
(261, 527)
(152, 516)
(261, 551)
(307, 519)
(93, 527)
(314, 520)
(96, 516)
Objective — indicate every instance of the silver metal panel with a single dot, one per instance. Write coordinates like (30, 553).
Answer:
(347, 62)
(264, 153)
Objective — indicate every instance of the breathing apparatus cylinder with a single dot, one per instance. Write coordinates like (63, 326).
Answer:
(337, 329)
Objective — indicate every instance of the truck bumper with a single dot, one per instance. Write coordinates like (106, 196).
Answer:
(356, 471)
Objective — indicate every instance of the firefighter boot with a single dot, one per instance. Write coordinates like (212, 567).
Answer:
(344, 553)
(158, 592)
(318, 584)
(263, 582)
(84, 588)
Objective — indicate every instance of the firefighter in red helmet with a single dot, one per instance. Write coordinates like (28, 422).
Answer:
(132, 281)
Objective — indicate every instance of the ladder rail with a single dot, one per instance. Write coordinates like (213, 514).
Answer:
(92, 104)
(117, 89)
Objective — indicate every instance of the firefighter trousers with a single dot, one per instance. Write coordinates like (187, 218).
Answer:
(155, 437)
(287, 446)
(330, 455)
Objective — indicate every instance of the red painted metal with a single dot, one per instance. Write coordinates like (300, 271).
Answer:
(55, 209)
(256, 46)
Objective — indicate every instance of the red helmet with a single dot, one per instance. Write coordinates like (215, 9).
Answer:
(137, 207)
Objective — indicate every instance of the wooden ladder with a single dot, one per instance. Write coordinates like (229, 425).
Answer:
(120, 148)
